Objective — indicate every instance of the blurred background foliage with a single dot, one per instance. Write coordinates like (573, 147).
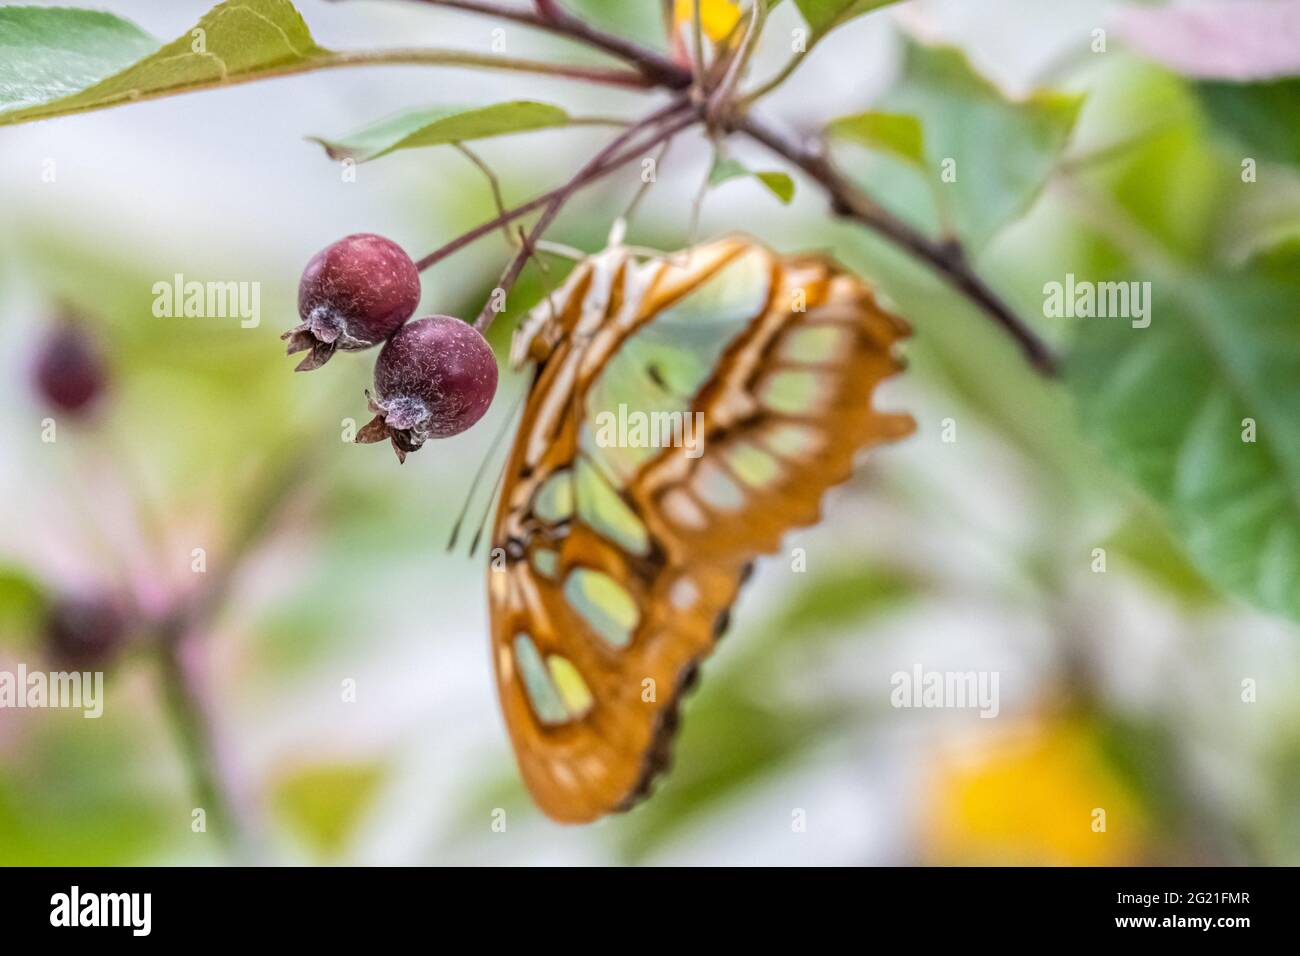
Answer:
(1121, 689)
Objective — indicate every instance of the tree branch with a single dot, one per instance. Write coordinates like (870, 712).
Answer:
(549, 15)
(674, 109)
(435, 57)
(479, 231)
(946, 258)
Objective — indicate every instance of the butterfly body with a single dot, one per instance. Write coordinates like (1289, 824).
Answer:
(622, 556)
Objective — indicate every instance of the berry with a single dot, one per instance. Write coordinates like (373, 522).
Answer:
(70, 372)
(353, 294)
(434, 379)
(83, 633)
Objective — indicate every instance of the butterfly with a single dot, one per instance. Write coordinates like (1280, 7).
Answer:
(616, 562)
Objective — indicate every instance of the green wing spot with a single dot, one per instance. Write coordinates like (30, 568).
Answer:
(604, 604)
(573, 689)
(794, 393)
(553, 501)
(752, 465)
(815, 345)
(542, 694)
(546, 563)
(791, 441)
(602, 508)
(716, 488)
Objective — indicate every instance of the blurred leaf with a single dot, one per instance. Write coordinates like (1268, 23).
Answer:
(1144, 753)
(895, 133)
(727, 742)
(22, 602)
(1252, 114)
(834, 599)
(437, 127)
(87, 792)
(1002, 150)
(240, 40)
(823, 16)
(1243, 40)
(1168, 404)
(778, 184)
(47, 54)
(324, 803)
(1144, 541)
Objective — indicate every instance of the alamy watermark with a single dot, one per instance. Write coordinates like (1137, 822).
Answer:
(1083, 299)
(65, 690)
(628, 428)
(133, 911)
(192, 299)
(939, 690)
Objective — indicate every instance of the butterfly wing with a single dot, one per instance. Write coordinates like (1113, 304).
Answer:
(618, 553)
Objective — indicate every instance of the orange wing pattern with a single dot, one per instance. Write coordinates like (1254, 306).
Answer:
(615, 567)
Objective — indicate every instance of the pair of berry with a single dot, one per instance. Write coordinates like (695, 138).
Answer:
(435, 377)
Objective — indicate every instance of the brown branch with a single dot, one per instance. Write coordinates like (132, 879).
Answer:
(537, 202)
(945, 257)
(549, 15)
(561, 196)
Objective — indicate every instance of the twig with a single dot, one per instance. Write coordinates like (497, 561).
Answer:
(187, 702)
(479, 231)
(511, 275)
(947, 258)
(653, 66)
(417, 56)
(179, 636)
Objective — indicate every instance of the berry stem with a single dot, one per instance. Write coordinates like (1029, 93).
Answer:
(562, 195)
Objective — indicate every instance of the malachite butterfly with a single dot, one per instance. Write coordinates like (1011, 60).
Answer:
(620, 564)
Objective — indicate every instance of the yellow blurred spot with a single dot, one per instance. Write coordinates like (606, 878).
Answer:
(1031, 795)
(718, 17)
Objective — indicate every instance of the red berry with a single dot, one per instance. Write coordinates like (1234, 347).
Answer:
(70, 372)
(434, 379)
(353, 294)
(84, 632)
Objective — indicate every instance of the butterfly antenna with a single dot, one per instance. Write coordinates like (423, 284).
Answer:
(487, 511)
(482, 469)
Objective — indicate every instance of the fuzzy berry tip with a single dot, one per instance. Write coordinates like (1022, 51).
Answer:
(435, 378)
(354, 294)
(70, 372)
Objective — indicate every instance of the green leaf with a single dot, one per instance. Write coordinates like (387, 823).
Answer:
(22, 602)
(728, 742)
(1169, 404)
(779, 184)
(324, 803)
(988, 156)
(1260, 117)
(726, 169)
(825, 15)
(895, 133)
(61, 61)
(437, 127)
(46, 54)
